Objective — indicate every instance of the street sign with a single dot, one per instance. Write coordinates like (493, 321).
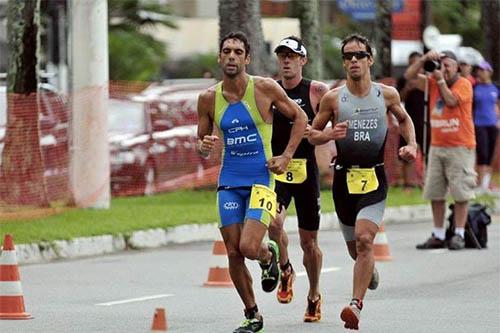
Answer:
(364, 10)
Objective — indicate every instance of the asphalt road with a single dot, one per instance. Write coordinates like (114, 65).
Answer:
(430, 291)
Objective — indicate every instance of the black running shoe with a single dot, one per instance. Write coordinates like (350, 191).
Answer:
(432, 243)
(271, 272)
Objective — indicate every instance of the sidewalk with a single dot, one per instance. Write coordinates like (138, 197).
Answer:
(152, 238)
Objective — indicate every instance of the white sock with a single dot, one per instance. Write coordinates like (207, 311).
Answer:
(485, 183)
(439, 233)
(460, 231)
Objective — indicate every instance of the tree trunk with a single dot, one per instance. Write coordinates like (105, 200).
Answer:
(244, 15)
(383, 30)
(21, 173)
(425, 19)
(490, 24)
(308, 14)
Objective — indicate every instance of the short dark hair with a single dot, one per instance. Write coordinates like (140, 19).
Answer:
(414, 54)
(241, 36)
(360, 39)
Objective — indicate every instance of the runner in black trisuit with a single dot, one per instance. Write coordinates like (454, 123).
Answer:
(301, 180)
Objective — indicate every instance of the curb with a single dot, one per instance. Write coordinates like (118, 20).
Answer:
(152, 238)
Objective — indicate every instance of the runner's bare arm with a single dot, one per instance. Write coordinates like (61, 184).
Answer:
(291, 110)
(393, 102)
(317, 91)
(327, 111)
(206, 140)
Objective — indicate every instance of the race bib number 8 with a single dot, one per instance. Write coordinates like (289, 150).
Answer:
(361, 181)
(262, 197)
(296, 172)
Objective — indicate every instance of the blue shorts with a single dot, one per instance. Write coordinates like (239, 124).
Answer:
(232, 204)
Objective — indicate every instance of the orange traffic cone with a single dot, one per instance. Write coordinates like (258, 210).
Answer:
(159, 320)
(218, 276)
(11, 293)
(381, 246)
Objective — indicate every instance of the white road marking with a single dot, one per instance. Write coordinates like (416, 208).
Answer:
(438, 251)
(132, 300)
(324, 270)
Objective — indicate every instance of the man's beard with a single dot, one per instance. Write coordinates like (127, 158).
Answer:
(232, 74)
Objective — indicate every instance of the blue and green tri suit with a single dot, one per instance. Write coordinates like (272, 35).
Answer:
(246, 150)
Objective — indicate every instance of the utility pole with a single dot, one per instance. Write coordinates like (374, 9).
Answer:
(89, 151)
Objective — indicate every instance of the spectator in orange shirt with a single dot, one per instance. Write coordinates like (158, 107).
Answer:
(452, 151)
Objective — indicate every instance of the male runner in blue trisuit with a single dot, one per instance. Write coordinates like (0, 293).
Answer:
(240, 107)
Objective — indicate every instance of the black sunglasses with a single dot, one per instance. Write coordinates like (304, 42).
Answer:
(358, 54)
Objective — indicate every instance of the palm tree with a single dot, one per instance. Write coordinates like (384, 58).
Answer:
(21, 172)
(133, 53)
(244, 15)
(383, 30)
(490, 24)
(308, 13)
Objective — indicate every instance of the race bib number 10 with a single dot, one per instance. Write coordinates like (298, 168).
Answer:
(262, 197)
(296, 172)
(361, 181)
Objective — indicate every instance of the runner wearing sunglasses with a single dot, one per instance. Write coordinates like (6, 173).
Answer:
(358, 111)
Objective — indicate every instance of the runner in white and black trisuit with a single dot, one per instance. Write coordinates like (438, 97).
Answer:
(358, 111)
(301, 180)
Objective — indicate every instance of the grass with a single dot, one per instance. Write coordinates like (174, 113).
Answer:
(136, 213)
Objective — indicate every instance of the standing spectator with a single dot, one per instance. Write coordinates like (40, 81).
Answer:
(452, 152)
(465, 66)
(413, 99)
(486, 108)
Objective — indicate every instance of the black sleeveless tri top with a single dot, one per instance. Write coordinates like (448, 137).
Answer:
(282, 126)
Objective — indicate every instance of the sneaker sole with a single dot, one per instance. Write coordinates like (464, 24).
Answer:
(270, 288)
(288, 298)
(312, 319)
(350, 318)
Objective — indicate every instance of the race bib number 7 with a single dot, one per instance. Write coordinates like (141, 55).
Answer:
(361, 181)
(296, 172)
(262, 197)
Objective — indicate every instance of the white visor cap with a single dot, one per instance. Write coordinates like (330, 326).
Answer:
(293, 45)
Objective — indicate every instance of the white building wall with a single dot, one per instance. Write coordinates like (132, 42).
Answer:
(201, 35)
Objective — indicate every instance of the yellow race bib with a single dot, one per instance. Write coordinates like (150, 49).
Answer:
(296, 172)
(361, 181)
(262, 197)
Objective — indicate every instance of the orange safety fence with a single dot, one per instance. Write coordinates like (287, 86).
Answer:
(152, 145)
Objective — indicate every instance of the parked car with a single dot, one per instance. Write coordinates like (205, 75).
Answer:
(53, 123)
(147, 149)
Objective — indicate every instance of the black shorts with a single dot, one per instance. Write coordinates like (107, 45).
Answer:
(348, 205)
(486, 138)
(306, 196)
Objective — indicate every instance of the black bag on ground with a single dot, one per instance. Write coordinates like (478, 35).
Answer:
(476, 233)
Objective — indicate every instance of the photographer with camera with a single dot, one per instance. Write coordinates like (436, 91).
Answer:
(453, 143)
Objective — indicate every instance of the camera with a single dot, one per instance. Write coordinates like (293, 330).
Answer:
(431, 65)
